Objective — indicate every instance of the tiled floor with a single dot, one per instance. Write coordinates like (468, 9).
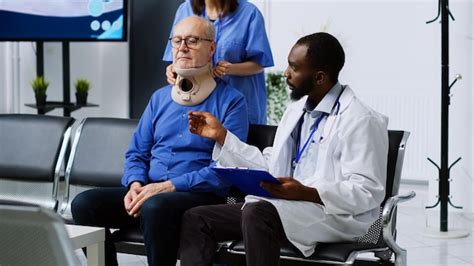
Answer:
(412, 223)
(124, 259)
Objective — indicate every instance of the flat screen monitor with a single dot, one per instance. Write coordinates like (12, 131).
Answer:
(63, 20)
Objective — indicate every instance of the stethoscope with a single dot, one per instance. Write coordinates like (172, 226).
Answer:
(322, 139)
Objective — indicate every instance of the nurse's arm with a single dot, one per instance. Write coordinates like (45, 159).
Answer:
(291, 189)
(170, 74)
(246, 68)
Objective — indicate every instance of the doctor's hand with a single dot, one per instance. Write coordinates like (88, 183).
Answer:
(291, 189)
(206, 125)
(222, 68)
(146, 192)
(170, 74)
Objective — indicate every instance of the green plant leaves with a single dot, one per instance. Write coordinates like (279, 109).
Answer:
(40, 85)
(277, 96)
(82, 85)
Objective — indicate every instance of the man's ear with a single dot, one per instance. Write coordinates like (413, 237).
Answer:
(320, 77)
(212, 49)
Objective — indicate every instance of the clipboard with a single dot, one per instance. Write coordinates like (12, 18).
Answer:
(247, 180)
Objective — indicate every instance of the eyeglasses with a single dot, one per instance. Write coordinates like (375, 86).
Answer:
(191, 42)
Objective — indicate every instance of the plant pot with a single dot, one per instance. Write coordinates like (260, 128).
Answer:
(81, 98)
(40, 100)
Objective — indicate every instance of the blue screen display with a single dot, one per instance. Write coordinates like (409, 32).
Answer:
(61, 20)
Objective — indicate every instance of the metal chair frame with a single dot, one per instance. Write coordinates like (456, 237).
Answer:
(388, 230)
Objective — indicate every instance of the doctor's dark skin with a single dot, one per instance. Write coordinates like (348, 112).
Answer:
(303, 79)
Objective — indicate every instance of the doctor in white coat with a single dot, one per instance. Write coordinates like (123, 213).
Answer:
(329, 153)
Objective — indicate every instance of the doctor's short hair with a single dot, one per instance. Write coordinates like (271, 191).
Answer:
(324, 53)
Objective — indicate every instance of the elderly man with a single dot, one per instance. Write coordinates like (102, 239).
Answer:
(329, 153)
(167, 168)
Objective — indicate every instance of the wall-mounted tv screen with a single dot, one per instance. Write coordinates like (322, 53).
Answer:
(63, 20)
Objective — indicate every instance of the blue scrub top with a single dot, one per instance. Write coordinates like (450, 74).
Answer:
(240, 37)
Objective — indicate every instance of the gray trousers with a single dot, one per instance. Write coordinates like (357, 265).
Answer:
(258, 224)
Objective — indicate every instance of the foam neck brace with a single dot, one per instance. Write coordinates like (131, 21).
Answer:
(193, 85)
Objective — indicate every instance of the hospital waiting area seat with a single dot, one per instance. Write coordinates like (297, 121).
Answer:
(379, 240)
(130, 240)
(96, 159)
(32, 154)
(33, 235)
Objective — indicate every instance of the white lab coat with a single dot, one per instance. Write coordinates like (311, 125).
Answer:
(350, 174)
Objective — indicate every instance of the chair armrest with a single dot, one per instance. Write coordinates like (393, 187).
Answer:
(392, 203)
(387, 227)
(226, 245)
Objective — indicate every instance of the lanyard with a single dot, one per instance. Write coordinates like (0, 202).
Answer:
(299, 152)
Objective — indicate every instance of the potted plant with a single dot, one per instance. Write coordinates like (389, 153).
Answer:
(277, 96)
(82, 89)
(40, 85)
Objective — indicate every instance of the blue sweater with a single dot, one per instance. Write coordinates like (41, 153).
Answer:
(162, 148)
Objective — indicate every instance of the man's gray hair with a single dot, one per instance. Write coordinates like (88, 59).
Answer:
(210, 30)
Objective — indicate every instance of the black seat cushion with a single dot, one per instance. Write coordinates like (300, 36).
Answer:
(130, 234)
(129, 240)
(261, 136)
(324, 251)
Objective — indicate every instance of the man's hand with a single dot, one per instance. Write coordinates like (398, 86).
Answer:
(222, 68)
(146, 192)
(170, 75)
(131, 195)
(206, 125)
(291, 189)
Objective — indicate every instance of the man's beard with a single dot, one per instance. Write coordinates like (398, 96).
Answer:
(303, 89)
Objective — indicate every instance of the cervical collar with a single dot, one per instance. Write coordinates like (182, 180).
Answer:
(193, 85)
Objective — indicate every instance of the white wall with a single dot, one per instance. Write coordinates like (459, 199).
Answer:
(393, 62)
(470, 123)
(7, 60)
(104, 64)
(3, 78)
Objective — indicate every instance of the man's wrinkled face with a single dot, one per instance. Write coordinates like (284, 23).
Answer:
(299, 74)
(191, 47)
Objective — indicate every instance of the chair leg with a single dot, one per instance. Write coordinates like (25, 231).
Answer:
(401, 257)
(384, 255)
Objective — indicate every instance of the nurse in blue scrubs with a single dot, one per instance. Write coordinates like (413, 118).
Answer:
(242, 51)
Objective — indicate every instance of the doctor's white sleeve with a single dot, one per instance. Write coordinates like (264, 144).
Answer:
(236, 153)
